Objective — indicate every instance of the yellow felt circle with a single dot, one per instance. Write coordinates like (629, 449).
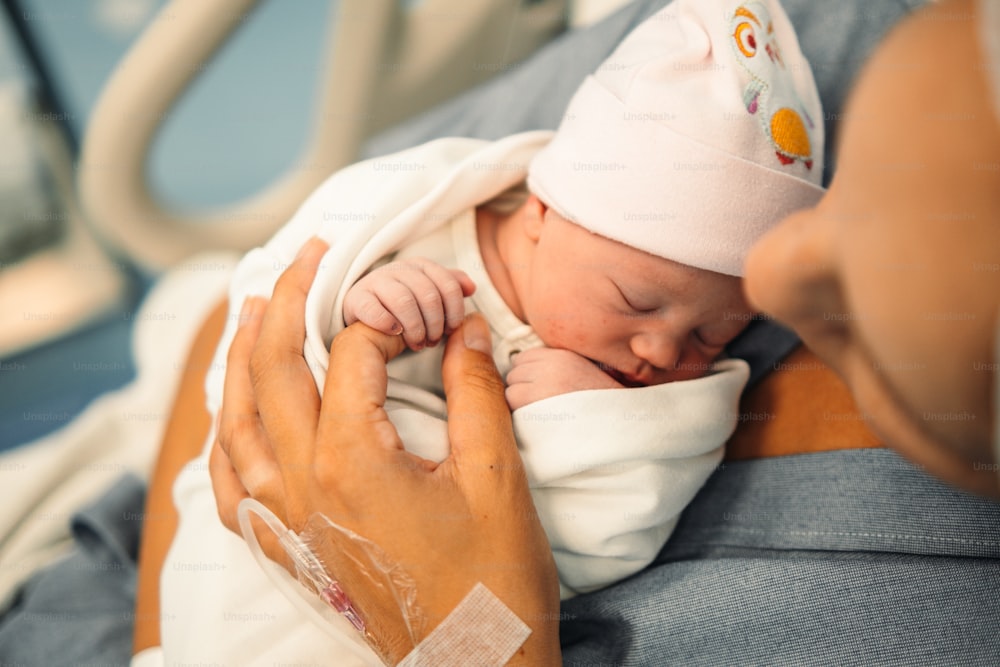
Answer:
(789, 133)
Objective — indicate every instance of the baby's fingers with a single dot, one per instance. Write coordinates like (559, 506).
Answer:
(451, 286)
(440, 293)
(362, 305)
(414, 301)
(532, 356)
(518, 393)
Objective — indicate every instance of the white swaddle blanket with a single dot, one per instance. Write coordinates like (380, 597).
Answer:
(609, 476)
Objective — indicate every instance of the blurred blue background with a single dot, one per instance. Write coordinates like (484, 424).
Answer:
(243, 123)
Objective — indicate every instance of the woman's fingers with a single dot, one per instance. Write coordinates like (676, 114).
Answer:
(242, 462)
(226, 486)
(239, 407)
(229, 491)
(283, 385)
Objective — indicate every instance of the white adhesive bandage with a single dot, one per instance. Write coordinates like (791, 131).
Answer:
(481, 630)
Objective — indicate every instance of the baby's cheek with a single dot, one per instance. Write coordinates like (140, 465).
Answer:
(693, 370)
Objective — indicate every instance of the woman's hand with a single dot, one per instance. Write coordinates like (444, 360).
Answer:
(468, 519)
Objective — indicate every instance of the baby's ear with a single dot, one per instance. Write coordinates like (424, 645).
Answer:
(533, 217)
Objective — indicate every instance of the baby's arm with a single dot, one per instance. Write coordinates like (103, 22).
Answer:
(544, 372)
(416, 297)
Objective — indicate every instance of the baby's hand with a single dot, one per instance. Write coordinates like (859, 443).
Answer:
(416, 297)
(543, 372)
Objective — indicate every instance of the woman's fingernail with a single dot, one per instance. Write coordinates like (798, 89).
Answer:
(245, 311)
(252, 307)
(307, 247)
(303, 249)
(476, 335)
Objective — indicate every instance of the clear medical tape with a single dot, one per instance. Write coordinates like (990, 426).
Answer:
(480, 630)
(306, 594)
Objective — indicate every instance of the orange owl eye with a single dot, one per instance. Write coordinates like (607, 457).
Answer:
(746, 40)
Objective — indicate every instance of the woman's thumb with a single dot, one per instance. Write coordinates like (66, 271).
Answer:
(479, 423)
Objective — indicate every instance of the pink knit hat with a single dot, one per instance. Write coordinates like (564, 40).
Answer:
(697, 135)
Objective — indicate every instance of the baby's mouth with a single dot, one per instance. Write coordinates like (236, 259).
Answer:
(620, 377)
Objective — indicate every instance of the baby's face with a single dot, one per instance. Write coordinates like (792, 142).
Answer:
(643, 319)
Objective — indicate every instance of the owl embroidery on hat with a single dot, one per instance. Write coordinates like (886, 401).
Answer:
(771, 92)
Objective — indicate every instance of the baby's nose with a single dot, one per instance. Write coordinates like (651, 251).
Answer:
(661, 350)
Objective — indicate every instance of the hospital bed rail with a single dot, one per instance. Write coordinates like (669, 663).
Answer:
(385, 61)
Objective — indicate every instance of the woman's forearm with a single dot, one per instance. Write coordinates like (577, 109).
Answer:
(182, 441)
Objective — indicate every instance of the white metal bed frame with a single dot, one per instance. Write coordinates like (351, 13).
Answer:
(384, 62)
